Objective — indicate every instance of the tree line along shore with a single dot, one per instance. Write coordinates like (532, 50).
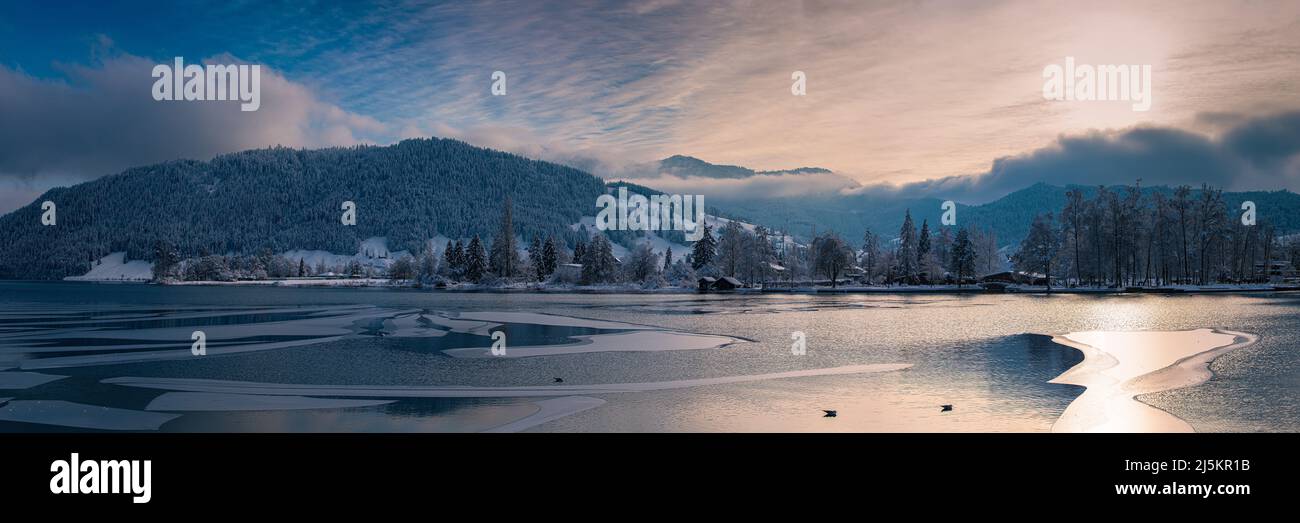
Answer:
(1116, 241)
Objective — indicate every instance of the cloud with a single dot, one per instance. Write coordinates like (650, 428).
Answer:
(890, 97)
(597, 160)
(102, 118)
(1246, 153)
(609, 87)
(1258, 153)
(1267, 143)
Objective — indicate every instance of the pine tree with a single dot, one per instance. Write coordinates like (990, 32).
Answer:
(165, 260)
(668, 259)
(454, 259)
(704, 250)
(870, 254)
(549, 258)
(475, 260)
(907, 249)
(923, 246)
(535, 257)
(963, 256)
(599, 264)
(579, 251)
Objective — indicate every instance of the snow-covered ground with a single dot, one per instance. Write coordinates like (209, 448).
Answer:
(658, 244)
(373, 252)
(300, 282)
(115, 267)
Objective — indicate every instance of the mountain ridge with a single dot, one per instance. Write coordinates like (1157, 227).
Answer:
(280, 199)
(688, 166)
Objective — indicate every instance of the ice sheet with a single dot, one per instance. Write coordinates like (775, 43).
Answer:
(623, 341)
(25, 380)
(68, 414)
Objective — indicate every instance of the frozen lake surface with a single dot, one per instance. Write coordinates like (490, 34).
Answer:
(79, 356)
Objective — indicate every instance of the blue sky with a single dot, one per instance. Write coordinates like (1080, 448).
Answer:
(941, 95)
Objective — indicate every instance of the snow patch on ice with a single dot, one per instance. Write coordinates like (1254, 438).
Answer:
(637, 341)
(449, 391)
(551, 410)
(536, 318)
(212, 402)
(1119, 366)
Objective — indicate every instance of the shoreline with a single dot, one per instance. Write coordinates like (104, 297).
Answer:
(376, 283)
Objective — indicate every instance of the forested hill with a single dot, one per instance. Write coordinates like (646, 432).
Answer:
(281, 199)
(1008, 217)
(1011, 215)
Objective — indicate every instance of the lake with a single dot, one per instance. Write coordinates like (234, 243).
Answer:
(81, 356)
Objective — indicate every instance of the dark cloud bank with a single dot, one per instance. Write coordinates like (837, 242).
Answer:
(1258, 154)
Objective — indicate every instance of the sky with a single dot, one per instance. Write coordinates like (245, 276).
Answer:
(926, 97)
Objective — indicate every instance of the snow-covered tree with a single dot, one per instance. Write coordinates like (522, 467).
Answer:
(642, 263)
(504, 255)
(681, 274)
(428, 263)
(209, 268)
(923, 249)
(731, 247)
(165, 260)
(870, 258)
(535, 257)
(704, 250)
(907, 268)
(833, 256)
(475, 260)
(579, 251)
(762, 254)
(453, 260)
(1039, 248)
(402, 268)
(549, 259)
(962, 263)
(599, 264)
